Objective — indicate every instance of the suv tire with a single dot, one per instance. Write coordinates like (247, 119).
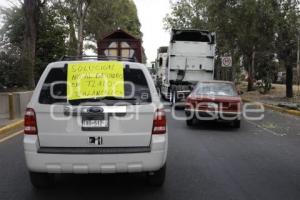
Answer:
(41, 180)
(157, 178)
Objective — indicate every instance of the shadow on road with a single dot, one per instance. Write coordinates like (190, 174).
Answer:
(109, 186)
(213, 126)
(201, 125)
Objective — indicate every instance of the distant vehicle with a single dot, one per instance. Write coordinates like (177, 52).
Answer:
(94, 135)
(162, 64)
(152, 71)
(214, 100)
(191, 56)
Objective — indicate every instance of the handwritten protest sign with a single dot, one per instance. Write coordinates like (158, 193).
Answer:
(95, 79)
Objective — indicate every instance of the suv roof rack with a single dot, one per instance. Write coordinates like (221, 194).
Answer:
(97, 57)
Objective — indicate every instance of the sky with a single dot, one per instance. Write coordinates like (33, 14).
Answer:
(151, 14)
(8, 2)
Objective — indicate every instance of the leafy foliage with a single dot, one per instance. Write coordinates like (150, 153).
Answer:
(51, 39)
(111, 15)
(58, 32)
(13, 27)
(50, 42)
(256, 30)
(9, 65)
(187, 14)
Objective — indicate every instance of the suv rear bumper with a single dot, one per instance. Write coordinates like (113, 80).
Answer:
(96, 163)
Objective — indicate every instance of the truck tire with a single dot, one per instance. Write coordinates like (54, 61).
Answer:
(157, 178)
(41, 180)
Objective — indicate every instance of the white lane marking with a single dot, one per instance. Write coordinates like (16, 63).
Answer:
(10, 136)
(265, 129)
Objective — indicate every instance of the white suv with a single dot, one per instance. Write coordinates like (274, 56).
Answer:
(95, 135)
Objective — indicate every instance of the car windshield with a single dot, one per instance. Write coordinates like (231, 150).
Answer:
(215, 89)
(136, 89)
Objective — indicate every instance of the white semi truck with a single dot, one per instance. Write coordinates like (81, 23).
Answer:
(191, 56)
(161, 65)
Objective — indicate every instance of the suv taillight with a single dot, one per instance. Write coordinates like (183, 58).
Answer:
(30, 127)
(159, 122)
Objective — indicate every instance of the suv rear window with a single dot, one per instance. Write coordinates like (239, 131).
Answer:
(136, 88)
(215, 89)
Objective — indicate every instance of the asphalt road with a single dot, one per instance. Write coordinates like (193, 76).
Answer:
(210, 161)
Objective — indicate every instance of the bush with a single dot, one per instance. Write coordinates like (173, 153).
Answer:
(10, 75)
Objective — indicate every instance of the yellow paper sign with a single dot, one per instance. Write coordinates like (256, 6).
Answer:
(95, 79)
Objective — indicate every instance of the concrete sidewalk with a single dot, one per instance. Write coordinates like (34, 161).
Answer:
(4, 122)
(274, 107)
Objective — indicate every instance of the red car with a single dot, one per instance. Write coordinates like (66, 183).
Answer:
(214, 100)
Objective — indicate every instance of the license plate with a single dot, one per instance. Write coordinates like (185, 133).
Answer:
(95, 123)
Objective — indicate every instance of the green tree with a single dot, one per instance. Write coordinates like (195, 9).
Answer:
(50, 40)
(9, 66)
(13, 27)
(92, 19)
(245, 28)
(187, 14)
(286, 41)
(66, 12)
(32, 14)
(105, 16)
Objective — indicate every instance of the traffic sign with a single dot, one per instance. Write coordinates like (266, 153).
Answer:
(226, 61)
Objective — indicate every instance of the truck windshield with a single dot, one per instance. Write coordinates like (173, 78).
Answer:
(136, 89)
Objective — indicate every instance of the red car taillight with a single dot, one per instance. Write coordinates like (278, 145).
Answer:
(30, 127)
(159, 122)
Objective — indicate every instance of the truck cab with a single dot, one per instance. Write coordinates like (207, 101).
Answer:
(191, 56)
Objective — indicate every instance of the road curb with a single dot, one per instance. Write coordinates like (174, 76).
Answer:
(11, 126)
(276, 108)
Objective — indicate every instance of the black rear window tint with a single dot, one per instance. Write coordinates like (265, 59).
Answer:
(194, 36)
(56, 75)
(54, 88)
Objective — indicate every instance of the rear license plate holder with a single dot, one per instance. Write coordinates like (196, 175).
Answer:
(95, 123)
